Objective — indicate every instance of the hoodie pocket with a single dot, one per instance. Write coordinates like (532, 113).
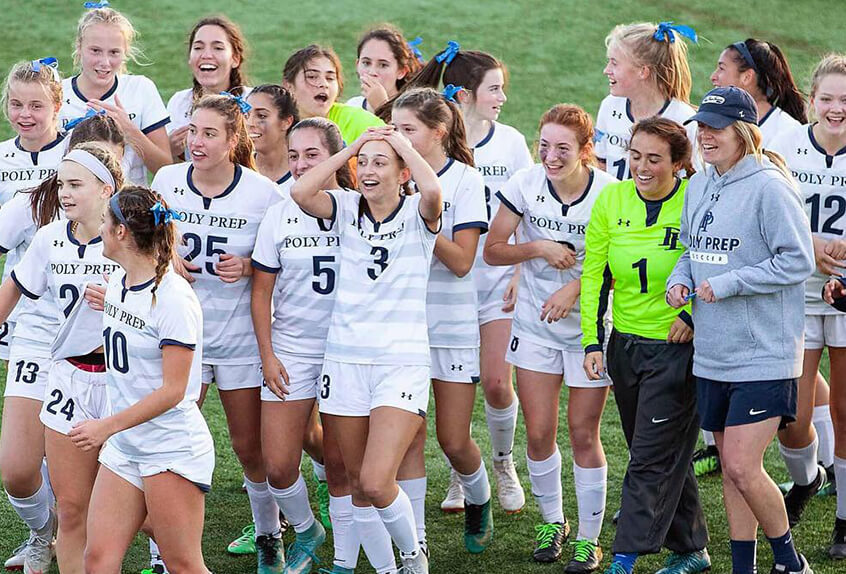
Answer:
(723, 331)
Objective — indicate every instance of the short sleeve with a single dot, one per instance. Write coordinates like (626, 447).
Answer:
(179, 318)
(176, 111)
(511, 196)
(471, 209)
(15, 222)
(30, 274)
(600, 148)
(345, 208)
(153, 112)
(265, 254)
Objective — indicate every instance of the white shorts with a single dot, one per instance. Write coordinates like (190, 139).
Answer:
(7, 329)
(27, 374)
(528, 355)
(196, 468)
(491, 283)
(825, 331)
(353, 390)
(233, 377)
(492, 311)
(73, 396)
(454, 365)
(302, 376)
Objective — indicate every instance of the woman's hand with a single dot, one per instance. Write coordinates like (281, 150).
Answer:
(374, 92)
(178, 139)
(677, 296)
(91, 434)
(185, 268)
(680, 332)
(556, 254)
(95, 294)
(594, 369)
(561, 302)
(275, 377)
(510, 296)
(231, 267)
(117, 112)
(833, 289)
(704, 292)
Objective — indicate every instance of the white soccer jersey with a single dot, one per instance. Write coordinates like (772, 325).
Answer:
(141, 100)
(138, 322)
(181, 104)
(822, 179)
(227, 223)
(58, 266)
(304, 252)
(501, 154)
(285, 183)
(775, 123)
(379, 316)
(451, 304)
(21, 169)
(358, 101)
(530, 195)
(613, 131)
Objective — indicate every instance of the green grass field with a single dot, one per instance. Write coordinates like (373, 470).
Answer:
(555, 53)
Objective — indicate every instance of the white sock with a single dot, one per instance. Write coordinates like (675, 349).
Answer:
(501, 425)
(825, 434)
(591, 485)
(801, 463)
(265, 510)
(545, 476)
(45, 476)
(294, 504)
(477, 489)
(840, 481)
(34, 510)
(415, 489)
(708, 437)
(319, 470)
(343, 534)
(374, 539)
(398, 518)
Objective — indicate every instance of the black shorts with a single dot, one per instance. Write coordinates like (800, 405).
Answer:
(724, 405)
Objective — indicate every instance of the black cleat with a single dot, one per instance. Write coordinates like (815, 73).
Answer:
(797, 497)
(837, 550)
(549, 542)
(586, 558)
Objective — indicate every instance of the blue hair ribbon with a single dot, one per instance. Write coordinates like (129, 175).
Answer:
(448, 55)
(242, 103)
(450, 91)
(51, 62)
(413, 45)
(96, 5)
(164, 215)
(89, 114)
(669, 30)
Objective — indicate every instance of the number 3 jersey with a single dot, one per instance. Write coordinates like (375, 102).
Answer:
(822, 179)
(139, 321)
(304, 252)
(379, 316)
(211, 227)
(530, 195)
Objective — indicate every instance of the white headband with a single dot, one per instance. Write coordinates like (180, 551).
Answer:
(92, 164)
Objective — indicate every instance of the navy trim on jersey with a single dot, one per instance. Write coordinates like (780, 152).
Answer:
(265, 268)
(483, 225)
(23, 289)
(135, 288)
(284, 178)
(426, 223)
(80, 247)
(34, 154)
(3, 250)
(105, 96)
(653, 206)
(207, 200)
(331, 219)
(377, 224)
(448, 165)
(829, 159)
(508, 204)
(155, 126)
(364, 104)
(629, 109)
(766, 116)
(488, 137)
(175, 343)
(602, 308)
(565, 207)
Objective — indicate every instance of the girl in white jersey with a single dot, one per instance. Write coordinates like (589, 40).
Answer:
(273, 114)
(816, 154)
(553, 201)
(217, 52)
(224, 201)
(384, 63)
(104, 42)
(648, 75)
(375, 379)
(64, 257)
(158, 457)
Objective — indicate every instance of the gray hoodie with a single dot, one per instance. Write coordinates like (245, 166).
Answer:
(746, 232)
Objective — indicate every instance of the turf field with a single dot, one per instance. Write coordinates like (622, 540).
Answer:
(555, 53)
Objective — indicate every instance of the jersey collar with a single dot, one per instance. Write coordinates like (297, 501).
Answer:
(105, 96)
(565, 207)
(284, 178)
(448, 165)
(134, 289)
(207, 200)
(488, 137)
(34, 154)
(766, 116)
(629, 109)
(378, 224)
(829, 159)
(80, 247)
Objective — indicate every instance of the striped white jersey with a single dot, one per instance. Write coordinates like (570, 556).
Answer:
(181, 105)
(500, 155)
(775, 123)
(285, 183)
(822, 179)
(58, 266)
(379, 316)
(211, 227)
(141, 100)
(613, 131)
(138, 322)
(530, 195)
(304, 252)
(451, 304)
(21, 169)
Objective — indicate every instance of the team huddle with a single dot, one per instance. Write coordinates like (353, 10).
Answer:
(326, 265)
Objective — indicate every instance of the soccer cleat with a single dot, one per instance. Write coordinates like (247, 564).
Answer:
(39, 549)
(616, 568)
(246, 543)
(830, 488)
(323, 502)
(797, 497)
(706, 461)
(478, 526)
(270, 554)
(16, 560)
(155, 569)
(302, 553)
(837, 550)
(549, 542)
(336, 570)
(454, 501)
(586, 557)
(509, 491)
(417, 563)
(804, 568)
(688, 563)
(616, 517)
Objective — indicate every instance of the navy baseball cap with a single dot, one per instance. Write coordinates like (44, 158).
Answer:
(721, 107)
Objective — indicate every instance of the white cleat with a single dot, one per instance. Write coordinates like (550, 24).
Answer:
(418, 563)
(39, 549)
(16, 560)
(454, 501)
(508, 488)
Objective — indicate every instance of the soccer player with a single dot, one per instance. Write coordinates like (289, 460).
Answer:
(551, 203)
(104, 42)
(749, 253)
(158, 457)
(273, 114)
(633, 241)
(384, 63)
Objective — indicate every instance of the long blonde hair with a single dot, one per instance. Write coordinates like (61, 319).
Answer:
(752, 142)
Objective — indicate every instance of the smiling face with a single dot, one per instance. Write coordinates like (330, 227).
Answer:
(103, 52)
(32, 111)
(424, 139)
(81, 194)
(727, 72)
(559, 152)
(829, 104)
(109, 233)
(489, 97)
(624, 77)
(264, 127)
(209, 144)
(651, 163)
(721, 148)
(380, 171)
(377, 63)
(315, 87)
(212, 59)
(305, 150)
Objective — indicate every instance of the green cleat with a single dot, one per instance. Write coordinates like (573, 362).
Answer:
(689, 563)
(323, 502)
(549, 542)
(157, 569)
(478, 526)
(244, 544)
(336, 570)
(302, 553)
(271, 555)
(587, 556)
(706, 461)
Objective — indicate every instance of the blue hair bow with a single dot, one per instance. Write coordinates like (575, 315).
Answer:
(413, 46)
(450, 91)
(50, 62)
(89, 114)
(96, 5)
(448, 55)
(242, 103)
(164, 214)
(668, 30)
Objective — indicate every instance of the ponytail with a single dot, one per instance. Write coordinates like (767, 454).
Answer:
(752, 142)
(230, 108)
(435, 111)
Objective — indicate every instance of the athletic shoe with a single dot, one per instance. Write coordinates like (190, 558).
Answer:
(284, 525)
(688, 563)
(586, 557)
(615, 568)
(39, 548)
(246, 543)
(805, 568)
(16, 560)
(509, 491)
(706, 461)
(478, 526)
(616, 518)
(797, 497)
(155, 569)
(302, 553)
(549, 542)
(418, 563)
(454, 501)
(424, 548)
(270, 554)
(830, 488)
(336, 570)
(837, 550)
(323, 502)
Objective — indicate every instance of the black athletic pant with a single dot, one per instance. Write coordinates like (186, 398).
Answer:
(656, 395)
